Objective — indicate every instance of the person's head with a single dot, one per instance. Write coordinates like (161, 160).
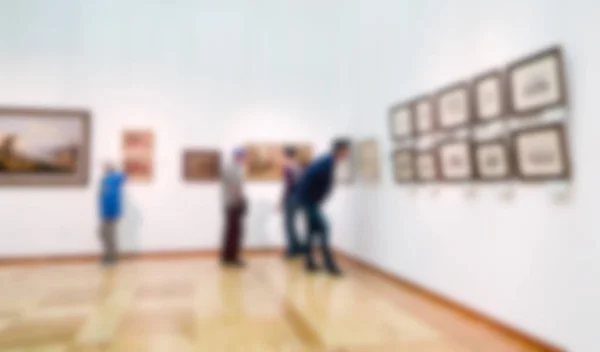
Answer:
(340, 148)
(109, 167)
(239, 156)
(290, 153)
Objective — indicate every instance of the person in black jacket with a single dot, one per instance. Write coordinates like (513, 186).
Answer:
(312, 189)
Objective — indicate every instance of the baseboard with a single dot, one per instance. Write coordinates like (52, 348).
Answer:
(144, 255)
(482, 318)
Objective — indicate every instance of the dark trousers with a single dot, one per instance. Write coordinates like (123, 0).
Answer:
(318, 230)
(233, 232)
(108, 234)
(293, 244)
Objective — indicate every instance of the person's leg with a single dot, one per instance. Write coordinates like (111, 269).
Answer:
(293, 244)
(104, 240)
(323, 230)
(309, 212)
(107, 236)
(237, 233)
(112, 241)
(226, 248)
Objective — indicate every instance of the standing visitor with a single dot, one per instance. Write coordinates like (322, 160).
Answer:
(111, 190)
(234, 202)
(291, 172)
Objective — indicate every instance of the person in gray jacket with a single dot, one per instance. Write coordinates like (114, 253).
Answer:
(234, 201)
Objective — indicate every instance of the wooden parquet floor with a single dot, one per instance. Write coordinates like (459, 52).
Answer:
(196, 305)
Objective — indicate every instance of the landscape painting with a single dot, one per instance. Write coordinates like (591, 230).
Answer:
(201, 165)
(43, 147)
(265, 160)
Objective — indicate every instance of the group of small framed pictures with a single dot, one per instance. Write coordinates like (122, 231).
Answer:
(523, 90)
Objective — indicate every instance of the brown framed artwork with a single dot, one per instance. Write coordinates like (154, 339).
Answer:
(265, 160)
(541, 153)
(44, 146)
(494, 160)
(423, 115)
(456, 161)
(426, 166)
(369, 160)
(138, 151)
(345, 171)
(404, 165)
(453, 109)
(537, 82)
(488, 95)
(401, 121)
(201, 165)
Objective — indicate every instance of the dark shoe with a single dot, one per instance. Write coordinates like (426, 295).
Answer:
(109, 262)
(335, 272)
(312, 267)
(235, 262)
(292, 254)
(239, 263)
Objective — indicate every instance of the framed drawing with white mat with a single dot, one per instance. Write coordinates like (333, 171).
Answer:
(541, 153)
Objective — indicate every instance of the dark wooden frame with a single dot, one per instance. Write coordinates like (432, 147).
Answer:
(505, 142)
(471, 157)
(565, 157)
(433, 152)
(81, 177)
(411, 151)
(190, 153)
(564, 98)
(391, 114)
(463, 85)
(501, 77)
(415, 102)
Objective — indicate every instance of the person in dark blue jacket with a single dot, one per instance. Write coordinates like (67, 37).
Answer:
(291, 172)
(312, 189)
(110, 211)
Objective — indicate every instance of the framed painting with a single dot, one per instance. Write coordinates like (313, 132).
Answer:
(493, 160)
(305, 154)
(404, 165)
(541, 153)
(488, 97)
(369, 160)
(401, 121)
(423, 114)
(345, 171)
(537, 83)
(426, 166)
(44, 147)
(453, 107)
(456, 161)
(138, 151)
(265, 160)
(201, 165)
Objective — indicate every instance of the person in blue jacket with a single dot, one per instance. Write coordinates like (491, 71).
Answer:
(312, 189)
(111, 190)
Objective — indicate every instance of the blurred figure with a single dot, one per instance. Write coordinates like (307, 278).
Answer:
(291, 172)
(234, 201)
(312, 189)
(110, 209)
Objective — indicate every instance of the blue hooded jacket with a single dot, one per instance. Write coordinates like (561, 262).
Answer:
(316, 181)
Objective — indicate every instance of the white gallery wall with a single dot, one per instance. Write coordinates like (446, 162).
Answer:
(530, 261)
(200, 74)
